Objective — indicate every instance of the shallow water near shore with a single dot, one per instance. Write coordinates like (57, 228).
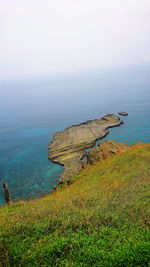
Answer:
(32, 110)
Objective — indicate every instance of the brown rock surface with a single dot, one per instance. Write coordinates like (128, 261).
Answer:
(68, 146)
(106, 149)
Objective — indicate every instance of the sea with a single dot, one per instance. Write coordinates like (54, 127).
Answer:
(33, 109)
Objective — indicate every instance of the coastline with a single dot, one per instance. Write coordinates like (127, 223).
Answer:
(68, 147)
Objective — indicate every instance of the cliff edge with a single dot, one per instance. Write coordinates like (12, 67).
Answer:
(68, 147)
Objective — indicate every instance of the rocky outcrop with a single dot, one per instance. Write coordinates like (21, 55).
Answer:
(68, 147)
(123, 113)
(105, 150)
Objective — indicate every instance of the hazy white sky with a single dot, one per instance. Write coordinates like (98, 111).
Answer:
(49, 36)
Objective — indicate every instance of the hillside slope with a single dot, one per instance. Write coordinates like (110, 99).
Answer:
(101, 219)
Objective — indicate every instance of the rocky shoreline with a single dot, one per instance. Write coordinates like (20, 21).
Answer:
(68, 147)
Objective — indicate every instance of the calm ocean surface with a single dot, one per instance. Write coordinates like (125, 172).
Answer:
(32, 110)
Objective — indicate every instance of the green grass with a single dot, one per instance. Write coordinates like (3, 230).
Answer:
(101, 219)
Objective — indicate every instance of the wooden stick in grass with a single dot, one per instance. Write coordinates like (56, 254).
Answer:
(6, 193)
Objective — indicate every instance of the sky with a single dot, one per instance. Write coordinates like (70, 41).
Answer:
(39, 37)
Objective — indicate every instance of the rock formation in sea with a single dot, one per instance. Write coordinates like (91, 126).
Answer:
(123, 113)
(68, 147)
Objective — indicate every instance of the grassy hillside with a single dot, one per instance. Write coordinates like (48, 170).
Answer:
(101, 219)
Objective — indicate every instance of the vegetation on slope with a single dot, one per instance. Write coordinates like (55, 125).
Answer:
(99, 220)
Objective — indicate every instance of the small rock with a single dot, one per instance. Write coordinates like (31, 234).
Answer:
(123, 113)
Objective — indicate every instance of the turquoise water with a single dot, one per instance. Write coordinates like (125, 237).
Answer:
(32, 110)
